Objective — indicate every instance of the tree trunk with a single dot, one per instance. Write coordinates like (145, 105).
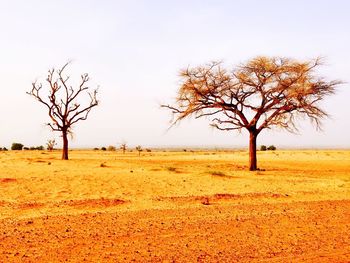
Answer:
(65, 145)
(252, 151)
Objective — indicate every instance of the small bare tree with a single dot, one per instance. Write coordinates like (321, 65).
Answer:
(51, 144)
(61, 101)
(139, 149)
(263, 93)
(123, 147)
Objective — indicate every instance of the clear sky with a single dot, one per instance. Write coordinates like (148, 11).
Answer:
(134, 50)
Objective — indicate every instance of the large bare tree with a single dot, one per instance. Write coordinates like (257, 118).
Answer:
(262, 93)
(61, 101)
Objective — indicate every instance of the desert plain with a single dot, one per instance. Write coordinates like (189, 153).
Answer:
(175, 206)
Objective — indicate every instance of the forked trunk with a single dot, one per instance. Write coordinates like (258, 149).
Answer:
(252, 151)
(65, 145)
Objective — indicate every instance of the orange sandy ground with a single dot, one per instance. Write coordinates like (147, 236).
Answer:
(175, 207)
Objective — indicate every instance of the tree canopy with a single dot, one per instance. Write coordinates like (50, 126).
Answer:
(264, 92)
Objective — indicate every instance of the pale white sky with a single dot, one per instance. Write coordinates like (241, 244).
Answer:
(134, 49)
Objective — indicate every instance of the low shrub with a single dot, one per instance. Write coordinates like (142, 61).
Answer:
(263, 148)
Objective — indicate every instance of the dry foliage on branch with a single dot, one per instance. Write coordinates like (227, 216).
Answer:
(265, 92)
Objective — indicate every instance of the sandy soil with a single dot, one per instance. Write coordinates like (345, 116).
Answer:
(175, 207)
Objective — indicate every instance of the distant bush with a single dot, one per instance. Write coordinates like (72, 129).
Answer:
(103, 148)
(96, 149)
(33, 148)
(17, 146)
(111, 148)
(271, 148)
(263, 148)
(4, 149)
(148, 150)
(25, 148)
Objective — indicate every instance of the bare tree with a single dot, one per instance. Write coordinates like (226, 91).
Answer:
(263, 93)
(123, 147)
(61, 101)
(139, 149)
(51, 144)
